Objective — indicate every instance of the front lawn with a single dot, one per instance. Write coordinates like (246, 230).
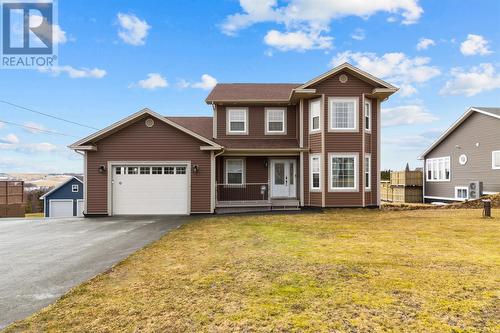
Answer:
(340, 271)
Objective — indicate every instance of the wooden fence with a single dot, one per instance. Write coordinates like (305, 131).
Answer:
(12, 203)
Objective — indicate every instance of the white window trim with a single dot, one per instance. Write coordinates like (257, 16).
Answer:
(461, 188)
(311, 187)
(427, 173)
(368, 169)
(283, 132)
(228, 121)
(493, 166)
(243, 168)
(369, 122)
(73, 187)
(311, 130)
(356, 172)
(331, 100)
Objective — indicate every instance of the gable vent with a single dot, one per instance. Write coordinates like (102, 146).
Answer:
(343, 78)
(150, 122)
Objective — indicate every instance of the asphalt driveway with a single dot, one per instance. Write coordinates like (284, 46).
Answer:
(40, 260)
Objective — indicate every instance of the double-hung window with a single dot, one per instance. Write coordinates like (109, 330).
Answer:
(315, 172)
(368, 115)
(438, 169)
(343, 172)
(275, 121)
(315, 115)
(235, 171)
(461, 192)
(495, 159)
(237, 120)
(368, 172)
(343, 114)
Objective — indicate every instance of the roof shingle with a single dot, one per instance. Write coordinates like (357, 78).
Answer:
(238, 92)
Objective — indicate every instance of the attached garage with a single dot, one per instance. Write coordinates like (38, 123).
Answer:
(150, 189)
(148, 164)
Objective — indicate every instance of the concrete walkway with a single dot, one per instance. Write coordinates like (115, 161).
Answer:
(41, 259)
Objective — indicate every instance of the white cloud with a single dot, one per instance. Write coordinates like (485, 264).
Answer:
(34, 127)
(297, 40)
(58, 34)
(469, 83)
(10, 139)
(424, 43)
(303, 17)
(358, 34)
(475, 44)
(43, 147)
(415, 140)
(207, 82)
(74, 73)
(395, 67)
(316, 12)
(1, 124)
(154, 81)
(134, 31)
(406, 115)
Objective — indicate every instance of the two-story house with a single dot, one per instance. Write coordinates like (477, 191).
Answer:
(267, 146)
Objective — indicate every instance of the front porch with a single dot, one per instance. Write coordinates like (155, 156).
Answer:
(257, 183)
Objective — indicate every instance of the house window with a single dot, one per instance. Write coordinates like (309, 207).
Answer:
(315, 172)
(145, 170)
(235, 171)
(237, 120)
(315, 112)
(438, 169)
(495, 159)
(343, 172)
(74, 188)
(368, 172)
(368, 116)
(461, 193)
(275, 121)
(343, 113)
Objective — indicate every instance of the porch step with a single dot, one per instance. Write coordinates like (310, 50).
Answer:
(285, 204)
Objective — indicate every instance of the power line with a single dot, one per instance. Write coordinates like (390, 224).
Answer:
(47, 115)
(37, 129)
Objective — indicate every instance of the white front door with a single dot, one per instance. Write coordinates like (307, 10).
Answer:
(283, 178)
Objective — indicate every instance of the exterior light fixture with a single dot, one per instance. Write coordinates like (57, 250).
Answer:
(102, 168)
(196, 168)
(265, 164)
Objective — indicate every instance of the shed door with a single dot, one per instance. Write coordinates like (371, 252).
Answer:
(150, 190)
(79, 208)
(60, 208)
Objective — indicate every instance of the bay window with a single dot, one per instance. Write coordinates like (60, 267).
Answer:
(314, 119)
(315, 172)
(343, 114)
(343, 172)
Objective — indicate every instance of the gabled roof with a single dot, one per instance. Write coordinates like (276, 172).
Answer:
(284, 92)
(491, 112)
(354, 70)
(61, 185)
(251, 92)
(80, 145)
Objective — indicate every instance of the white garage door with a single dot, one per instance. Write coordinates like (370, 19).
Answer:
(60, 208)
(150, 190)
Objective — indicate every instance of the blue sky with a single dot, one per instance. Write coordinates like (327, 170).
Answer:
(116, 57)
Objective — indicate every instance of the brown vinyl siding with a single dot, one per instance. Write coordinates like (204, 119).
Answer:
(477, 128)
(337, 142)
(257, 123)
(137, 142)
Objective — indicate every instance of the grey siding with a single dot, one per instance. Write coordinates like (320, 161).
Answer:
(477, 128)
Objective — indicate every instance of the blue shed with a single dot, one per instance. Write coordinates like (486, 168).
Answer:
(65, 200)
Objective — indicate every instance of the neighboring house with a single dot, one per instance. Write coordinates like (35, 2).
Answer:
(469, 151)
(267, 146)
(64, 200)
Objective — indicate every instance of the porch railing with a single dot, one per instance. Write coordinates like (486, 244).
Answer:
(242, 193)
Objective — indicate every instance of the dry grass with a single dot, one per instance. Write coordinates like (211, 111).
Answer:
(339, 271)
(34, 215)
